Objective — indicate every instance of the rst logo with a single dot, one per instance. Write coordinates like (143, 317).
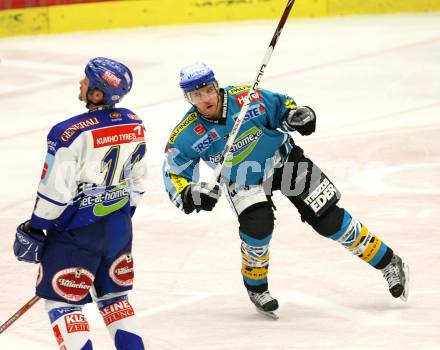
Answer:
(241, 99)
(206, 141)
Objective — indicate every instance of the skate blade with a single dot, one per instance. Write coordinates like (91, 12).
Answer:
(404, 295)
(270, 314)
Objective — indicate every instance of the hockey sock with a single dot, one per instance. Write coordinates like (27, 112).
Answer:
(120, 320)
(255, 262)
(69, 326)
(361, 242)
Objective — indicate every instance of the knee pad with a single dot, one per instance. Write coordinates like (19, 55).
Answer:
(257, 221)
(329, 223)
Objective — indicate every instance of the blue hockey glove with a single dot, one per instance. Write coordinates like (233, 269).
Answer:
(198, 196)
(29, 243)
(302, 119)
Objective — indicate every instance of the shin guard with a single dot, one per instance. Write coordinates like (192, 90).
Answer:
(255, 262)
(361, 242)
(120, 320)
(69, 326)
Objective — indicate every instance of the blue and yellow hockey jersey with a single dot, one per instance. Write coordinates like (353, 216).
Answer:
(261, 144)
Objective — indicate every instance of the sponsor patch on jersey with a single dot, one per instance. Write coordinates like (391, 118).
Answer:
(111, 79)
(74, 128)
(76, 323)
(241, 99)
(239, 89)
(254, 111)
(203, 143)
(117, 311)
(133, 116)
(199, 129)
(72, 284)
(117, 135)
(289, 104)
(182, 126)
(215, 158)
(121, 271)
(244, 145)
(179, 182)
(51, 146)
(47, 167)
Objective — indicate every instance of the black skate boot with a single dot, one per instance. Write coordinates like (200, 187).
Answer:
(397, 275)
(264, 303)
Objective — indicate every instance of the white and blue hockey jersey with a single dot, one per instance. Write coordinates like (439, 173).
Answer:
(95, 165)
(261, 145)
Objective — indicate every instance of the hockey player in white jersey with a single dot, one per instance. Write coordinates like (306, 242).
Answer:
(80, 230)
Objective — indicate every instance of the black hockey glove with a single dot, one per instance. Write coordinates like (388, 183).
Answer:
(302, 119)
(198, 196)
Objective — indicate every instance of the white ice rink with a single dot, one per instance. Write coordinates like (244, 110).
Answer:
(374, 83)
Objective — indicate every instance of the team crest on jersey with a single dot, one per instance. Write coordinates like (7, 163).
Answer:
(72, 284)
(244, 145)
(121, 272)
(115, 116)
(207, 140)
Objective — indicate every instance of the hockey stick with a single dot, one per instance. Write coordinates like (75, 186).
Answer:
(233, 134)
(19, 313)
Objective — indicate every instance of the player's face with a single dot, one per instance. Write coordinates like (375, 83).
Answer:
(207, 101)
(83, 87)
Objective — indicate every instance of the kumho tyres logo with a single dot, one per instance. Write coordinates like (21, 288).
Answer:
(245, 143)
(107, 202)
(182, 126)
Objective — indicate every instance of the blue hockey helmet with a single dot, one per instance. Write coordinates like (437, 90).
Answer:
(196, 76)
(113, 78)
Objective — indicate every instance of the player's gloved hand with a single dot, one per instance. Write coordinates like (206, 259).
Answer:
(302, 119)
(199, 196)
(29, 243)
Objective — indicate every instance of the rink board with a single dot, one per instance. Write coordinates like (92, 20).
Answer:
(140, 13)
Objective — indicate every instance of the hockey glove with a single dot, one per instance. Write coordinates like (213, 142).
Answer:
(302, 119)
(29, 243)
(198, 196)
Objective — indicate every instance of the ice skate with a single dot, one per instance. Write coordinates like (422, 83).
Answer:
(264, 303)
(397, 275)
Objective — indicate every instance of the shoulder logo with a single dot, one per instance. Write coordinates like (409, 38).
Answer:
(238, 89)
(74, 128)
(182, 126)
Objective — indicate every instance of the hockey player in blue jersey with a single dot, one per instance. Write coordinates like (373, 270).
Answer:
(80, 230)
(264, 159)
